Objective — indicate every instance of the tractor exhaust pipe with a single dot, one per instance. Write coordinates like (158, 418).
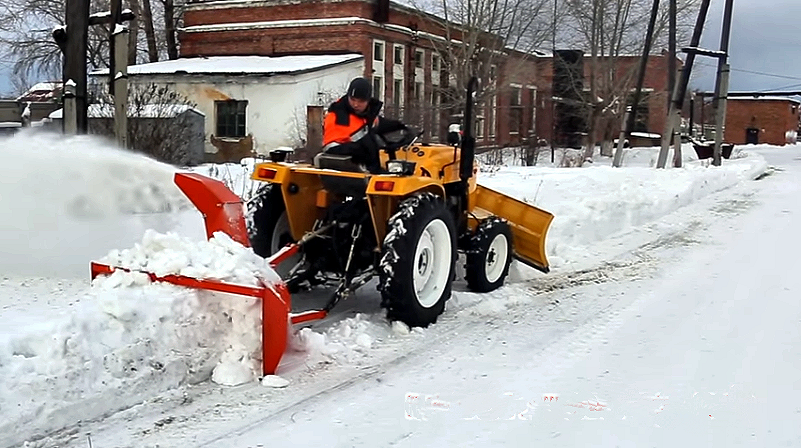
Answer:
(468, 141)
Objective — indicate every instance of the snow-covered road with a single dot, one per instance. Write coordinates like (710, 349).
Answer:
(689, 335)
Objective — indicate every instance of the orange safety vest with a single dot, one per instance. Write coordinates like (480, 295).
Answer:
(336, 134)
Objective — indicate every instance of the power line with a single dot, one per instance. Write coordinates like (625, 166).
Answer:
(791, 86)
(757, 73)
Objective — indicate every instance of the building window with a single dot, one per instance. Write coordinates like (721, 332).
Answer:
(435, 115)
(397, 98)
(378, 87)
(532, 101)
(642, 112)
(434, 62)
(230, 118)
(418, 92)
(418, 58)
(399, 54)
(378, 51)
(515, 111)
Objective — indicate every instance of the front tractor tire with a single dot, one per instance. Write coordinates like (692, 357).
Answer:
(489, 256)
(418, 258)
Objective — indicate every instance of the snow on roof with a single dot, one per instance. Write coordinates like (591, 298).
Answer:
(45, 86)
(763, 98)
(229, 65)
(40, 91)
(147, 111)
(645, 135)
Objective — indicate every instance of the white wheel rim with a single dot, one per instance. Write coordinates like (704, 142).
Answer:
(432, 263)
(497, 254)
(280, 230)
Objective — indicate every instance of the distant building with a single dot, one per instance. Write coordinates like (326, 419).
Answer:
(43, 92)
(771, 120)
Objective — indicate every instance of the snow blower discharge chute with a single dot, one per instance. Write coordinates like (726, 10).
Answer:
(331, 226)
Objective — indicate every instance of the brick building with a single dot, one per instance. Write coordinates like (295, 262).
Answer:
(400, 49)
(770, 120)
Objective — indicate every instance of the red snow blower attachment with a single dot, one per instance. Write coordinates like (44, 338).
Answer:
(222, 211)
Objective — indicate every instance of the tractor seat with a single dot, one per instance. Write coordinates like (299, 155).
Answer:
(339, 162)
(341, 185)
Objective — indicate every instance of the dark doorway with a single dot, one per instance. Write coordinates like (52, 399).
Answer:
(752, 136)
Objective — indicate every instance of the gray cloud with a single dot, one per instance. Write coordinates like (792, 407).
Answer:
(765, 38)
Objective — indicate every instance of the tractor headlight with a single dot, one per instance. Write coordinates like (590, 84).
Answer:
(403, 167)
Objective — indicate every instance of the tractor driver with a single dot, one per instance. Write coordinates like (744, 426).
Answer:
(352, 125)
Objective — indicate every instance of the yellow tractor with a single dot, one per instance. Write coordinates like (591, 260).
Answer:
(405, 227)
(330, 223)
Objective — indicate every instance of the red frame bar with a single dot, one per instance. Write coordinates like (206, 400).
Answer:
(275, 308)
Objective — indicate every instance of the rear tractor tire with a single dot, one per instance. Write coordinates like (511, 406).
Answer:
(418, 258)
(489, 256)
(268, 225)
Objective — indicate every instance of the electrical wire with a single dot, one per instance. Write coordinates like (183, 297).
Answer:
(773, 75)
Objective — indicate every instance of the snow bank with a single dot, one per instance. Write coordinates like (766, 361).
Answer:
(131, 339)
(69, 199)
(597, 201)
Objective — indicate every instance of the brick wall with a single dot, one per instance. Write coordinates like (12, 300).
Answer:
(358, 37)
(772, 117)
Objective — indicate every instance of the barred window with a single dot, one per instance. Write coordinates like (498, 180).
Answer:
(230, 118)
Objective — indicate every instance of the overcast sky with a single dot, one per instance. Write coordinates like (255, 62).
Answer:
(765, 38)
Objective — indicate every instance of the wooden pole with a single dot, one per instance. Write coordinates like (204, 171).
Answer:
(121, 84)
(681, 87)
(672, 50)
(722, 82)
(617, 161)
(77, 20)
(631, 115)
(69, 114)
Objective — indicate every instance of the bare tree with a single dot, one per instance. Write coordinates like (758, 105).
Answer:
(150, 32)
(609, 30)
(170, 23)
(158, 124)
(26, 35)
(490, 39)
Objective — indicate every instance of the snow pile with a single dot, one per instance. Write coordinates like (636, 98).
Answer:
(597, 201)
(130, 338)
(67, 200)
(348, 341)
(219, 258)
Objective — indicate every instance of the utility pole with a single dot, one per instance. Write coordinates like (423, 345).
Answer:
(118, 72)
(631, 111)
(72, 40)
(553, 72)
(672, 84)
(74, 46)
(681, 87)
(672, 50)
(722, 82)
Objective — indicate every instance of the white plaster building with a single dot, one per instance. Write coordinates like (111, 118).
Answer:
(252, 102)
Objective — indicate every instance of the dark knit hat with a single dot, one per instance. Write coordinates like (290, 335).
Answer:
(360, 88)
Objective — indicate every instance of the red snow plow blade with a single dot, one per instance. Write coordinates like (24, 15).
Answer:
(222, 211)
